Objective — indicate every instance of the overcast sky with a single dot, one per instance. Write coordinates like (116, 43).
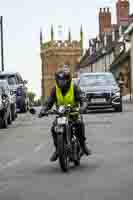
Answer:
(23, 20)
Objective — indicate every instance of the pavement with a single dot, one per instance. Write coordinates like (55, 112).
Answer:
(127, 99)
(27, 174)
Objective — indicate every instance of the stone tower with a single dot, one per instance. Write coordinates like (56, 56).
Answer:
(56, 53)
(122, 9)
(104, 21)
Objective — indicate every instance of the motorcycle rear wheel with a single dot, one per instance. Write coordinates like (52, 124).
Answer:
(77, 155)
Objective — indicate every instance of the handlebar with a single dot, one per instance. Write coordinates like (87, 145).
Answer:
(67, 110)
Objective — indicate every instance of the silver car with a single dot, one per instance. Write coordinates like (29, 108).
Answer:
(12, 98)
(101, 91)
(17, 85)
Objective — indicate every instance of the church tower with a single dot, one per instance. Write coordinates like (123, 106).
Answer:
(55, 54)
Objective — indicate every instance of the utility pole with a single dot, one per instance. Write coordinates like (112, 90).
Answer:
(2, 46)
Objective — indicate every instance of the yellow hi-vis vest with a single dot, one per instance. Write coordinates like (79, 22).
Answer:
(68, 98)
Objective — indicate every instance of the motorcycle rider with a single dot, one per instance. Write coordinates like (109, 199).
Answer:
(66, 92)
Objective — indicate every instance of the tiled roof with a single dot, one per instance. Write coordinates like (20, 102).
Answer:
(90, 59)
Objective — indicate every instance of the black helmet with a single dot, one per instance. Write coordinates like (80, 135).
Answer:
(63, 77)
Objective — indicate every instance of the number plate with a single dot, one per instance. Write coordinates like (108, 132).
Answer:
(98, 100)
(59, 129)
(61, 120)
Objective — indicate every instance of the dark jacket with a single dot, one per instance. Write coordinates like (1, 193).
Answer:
(53, 100)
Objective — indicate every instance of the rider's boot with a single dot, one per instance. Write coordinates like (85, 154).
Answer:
(82, 138)
(54, 156)
(85, 149)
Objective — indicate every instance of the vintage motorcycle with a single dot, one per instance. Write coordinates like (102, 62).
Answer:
(68, 146)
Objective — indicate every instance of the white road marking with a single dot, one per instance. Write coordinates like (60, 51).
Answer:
(38, 148)
(12, 163)
(17, 161)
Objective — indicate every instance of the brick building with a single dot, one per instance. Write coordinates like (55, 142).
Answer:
(108, 36)
(56, 53)
(122, 12)
(105, 25)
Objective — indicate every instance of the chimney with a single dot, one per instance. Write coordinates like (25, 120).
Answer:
(104, 20)
(108, 10)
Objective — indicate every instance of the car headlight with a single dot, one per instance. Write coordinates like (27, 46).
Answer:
(116, 93)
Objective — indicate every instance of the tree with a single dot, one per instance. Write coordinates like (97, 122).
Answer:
(31, 96)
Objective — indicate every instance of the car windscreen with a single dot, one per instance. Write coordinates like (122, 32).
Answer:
(3, 77)
(97, 80)
(10, 78)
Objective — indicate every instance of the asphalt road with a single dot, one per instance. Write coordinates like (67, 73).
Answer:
(27, 174)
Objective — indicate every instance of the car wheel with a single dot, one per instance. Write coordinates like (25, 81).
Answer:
(4, 123)
(16, 115)
(13, 113)
(24, 109)
(119, 108)
(9, 120)
(0, 123)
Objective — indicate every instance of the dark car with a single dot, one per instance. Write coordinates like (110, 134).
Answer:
(17, 85)
(101, 91)
(5, 111)
(12, 98)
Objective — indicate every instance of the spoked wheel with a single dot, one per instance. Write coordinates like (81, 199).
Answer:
(13, 112)
(77, 155)
(5, 123)
(63, 154)
(9, 120)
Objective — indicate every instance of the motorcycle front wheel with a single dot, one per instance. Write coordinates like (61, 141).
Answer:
(77, 154)
(63, 154)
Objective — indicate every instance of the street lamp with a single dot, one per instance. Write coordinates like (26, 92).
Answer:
(2, 46)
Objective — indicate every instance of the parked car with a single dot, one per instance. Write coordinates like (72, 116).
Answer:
(17, 85)
(101, 91)
(12, 98)
(5, 109)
